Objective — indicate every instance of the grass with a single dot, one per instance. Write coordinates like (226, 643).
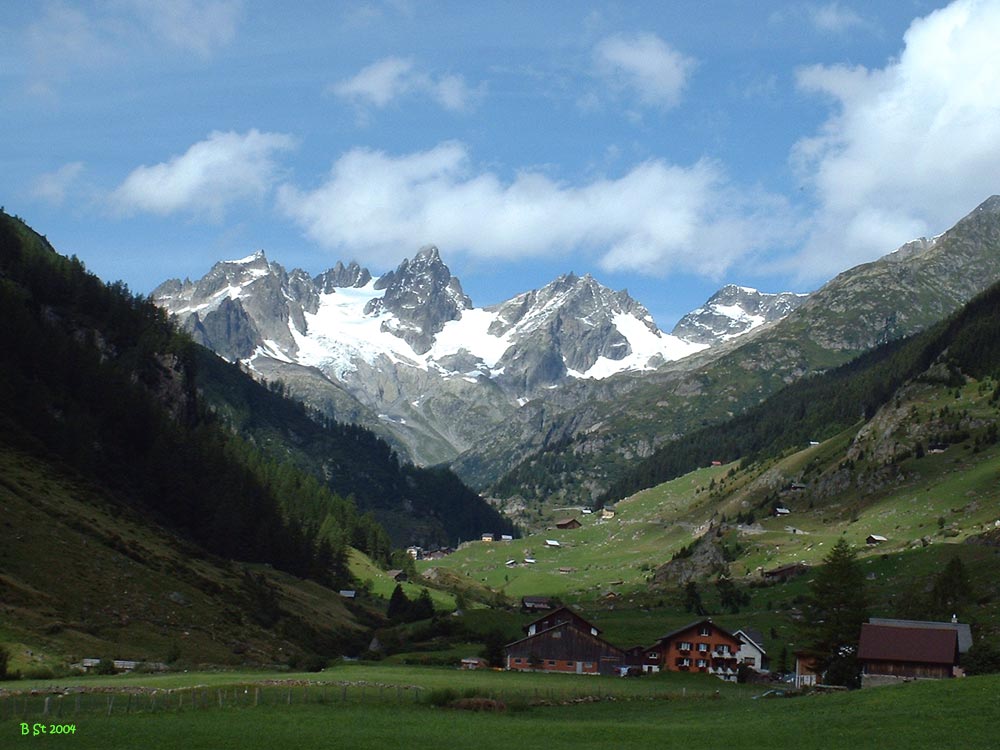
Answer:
(952, 713)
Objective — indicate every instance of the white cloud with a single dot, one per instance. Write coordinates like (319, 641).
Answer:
(53, 187)
(645, 65)
(835, 18)
(654, 219)
(65, 40)
(390, 78)
(199, 27)
(222, 169)
(911, 147)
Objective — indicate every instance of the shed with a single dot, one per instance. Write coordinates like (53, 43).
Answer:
(568, 523)
(552, 543)
(875, 539)
(475, 662)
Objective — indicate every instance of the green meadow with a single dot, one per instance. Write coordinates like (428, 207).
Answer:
(959, 713)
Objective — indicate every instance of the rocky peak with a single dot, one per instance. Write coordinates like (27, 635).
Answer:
(733, 311)
(422, 295)
(341, 276)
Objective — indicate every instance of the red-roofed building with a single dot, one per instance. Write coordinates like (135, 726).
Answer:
(889, 654)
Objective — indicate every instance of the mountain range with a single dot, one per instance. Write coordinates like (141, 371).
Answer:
(408, 355)
(570, 383)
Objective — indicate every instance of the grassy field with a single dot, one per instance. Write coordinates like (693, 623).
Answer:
(955, 713)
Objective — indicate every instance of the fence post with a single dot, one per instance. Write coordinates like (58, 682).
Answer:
(48, 703)
(111, 703)
(256, 696)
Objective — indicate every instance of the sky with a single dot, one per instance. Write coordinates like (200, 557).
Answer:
(664, 147)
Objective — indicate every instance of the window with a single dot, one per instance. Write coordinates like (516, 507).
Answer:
(750, 661)
(550, 662)
(557, 634)
(654, 655)
(705, 630)
(703, 647)
(722, 649)
(702, 663)
(684, 646)
(684, 662)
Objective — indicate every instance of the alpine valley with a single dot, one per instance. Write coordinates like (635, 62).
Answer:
(570, 383)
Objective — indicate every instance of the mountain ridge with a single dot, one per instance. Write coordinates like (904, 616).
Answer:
(410, 348)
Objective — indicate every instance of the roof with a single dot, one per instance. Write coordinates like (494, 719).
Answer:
(695, 624)
(572, 619)
(754, 636)
(962, 629)
(895, 643)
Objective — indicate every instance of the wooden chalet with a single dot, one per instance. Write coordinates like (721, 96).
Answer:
(890, 653)
(568, 523)
(701, 646)
(563, 641)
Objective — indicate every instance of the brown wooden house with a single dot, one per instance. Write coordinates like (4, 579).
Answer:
(562, 641)
(701, 646)
(890, 653)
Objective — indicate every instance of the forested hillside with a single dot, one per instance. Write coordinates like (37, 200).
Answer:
(97, 379)
(821, 406)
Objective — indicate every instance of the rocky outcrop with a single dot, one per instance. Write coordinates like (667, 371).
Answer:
(422, 295)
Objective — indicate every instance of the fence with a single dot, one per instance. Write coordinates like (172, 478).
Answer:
(53, 706)
(39, 705)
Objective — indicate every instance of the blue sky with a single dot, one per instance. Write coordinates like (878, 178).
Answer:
(666, 147)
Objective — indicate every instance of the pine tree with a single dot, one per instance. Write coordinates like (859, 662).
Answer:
(399, 605)
(834, 611)
(952, 590)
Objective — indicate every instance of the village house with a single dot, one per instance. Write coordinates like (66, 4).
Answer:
(563, 641)
(890, 653)
(607, 512)
(751, 652)
(568, 523)
(807, 670)
(399, 576)
(701, 646)
(487, 537)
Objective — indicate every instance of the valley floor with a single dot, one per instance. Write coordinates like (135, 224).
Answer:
(953, 713)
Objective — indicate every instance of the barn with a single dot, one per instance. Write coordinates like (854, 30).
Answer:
(562, 641)
(890, 653)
